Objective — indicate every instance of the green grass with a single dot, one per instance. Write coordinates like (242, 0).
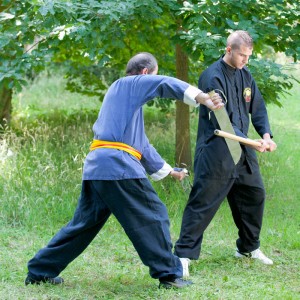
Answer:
(40, 184)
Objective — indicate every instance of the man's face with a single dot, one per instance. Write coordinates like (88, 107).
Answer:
(238, 58)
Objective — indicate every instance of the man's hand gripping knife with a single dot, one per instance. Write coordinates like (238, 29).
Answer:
(179, 173)
(212, 101)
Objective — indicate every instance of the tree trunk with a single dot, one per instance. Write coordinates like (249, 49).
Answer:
(183, 142)
(5, 96)
(5, 105)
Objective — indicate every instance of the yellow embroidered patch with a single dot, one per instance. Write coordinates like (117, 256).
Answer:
(247, 94)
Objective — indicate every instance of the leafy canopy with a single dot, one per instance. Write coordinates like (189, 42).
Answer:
(83, 33)
(94, 39)
(273, 24)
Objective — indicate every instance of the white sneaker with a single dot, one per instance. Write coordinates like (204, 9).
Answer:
(256, 254)
(185, 266)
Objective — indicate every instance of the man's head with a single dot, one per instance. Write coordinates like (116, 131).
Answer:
(142, 63)
(238, 49)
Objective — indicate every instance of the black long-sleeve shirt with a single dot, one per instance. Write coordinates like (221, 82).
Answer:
(243, 99)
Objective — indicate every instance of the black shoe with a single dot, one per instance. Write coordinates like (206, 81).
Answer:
(174, 283)
(55, 280)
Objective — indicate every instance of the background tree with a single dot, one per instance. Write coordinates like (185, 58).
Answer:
(90, 37)
(94, 39)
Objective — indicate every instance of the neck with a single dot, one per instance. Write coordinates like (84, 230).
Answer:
(227, 61)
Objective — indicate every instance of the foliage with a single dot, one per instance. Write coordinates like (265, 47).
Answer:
(84, 33)
(271, 79)
(94, 39)
(208, 23)
(274, 26)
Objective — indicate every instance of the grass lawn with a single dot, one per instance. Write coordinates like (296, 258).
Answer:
(40, 184)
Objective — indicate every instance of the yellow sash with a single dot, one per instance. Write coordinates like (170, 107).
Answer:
(116, 145)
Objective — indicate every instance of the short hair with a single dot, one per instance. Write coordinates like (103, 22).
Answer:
(140, 61)
(238, 38)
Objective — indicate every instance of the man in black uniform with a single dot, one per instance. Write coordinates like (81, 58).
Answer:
(216, 175)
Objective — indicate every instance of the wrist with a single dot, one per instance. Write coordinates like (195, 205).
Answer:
(200, 98)
(267, 136)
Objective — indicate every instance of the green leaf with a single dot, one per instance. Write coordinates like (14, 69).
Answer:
(6, 16)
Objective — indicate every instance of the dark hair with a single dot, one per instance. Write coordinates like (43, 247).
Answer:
(238, 38)
(140, 61)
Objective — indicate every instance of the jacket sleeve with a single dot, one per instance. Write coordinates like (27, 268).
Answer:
(153, 163)
(258, 111)
(169, 87)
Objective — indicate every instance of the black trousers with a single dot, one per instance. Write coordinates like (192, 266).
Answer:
(141, 213)
(246, 196)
